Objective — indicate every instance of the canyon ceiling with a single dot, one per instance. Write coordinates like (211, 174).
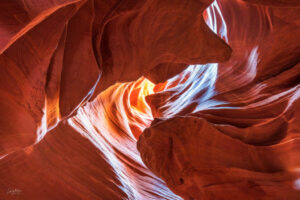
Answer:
(149, 99)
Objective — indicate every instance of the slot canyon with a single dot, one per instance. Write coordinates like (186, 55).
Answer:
(149, 99)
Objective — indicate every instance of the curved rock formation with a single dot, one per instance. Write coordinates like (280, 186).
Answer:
(241, 139)
(201, 161)
(57, 52)
(75, 99)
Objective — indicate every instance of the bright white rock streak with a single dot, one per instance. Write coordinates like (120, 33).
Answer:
(112, 123)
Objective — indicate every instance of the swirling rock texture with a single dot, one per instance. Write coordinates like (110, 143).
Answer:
(82, 81)
(241, 139)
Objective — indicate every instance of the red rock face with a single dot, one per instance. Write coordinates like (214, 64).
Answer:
(224, 95)
(241, 139)
(199, 160)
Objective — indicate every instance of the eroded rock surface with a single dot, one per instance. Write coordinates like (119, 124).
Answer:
(69, 128)
(56, 55)
(199, 161)
(233, 128)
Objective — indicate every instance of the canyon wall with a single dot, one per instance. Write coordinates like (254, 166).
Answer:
(149, 99)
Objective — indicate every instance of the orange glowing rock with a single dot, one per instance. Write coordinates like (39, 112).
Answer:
(157, 34)
(60, 53)
(82, 79)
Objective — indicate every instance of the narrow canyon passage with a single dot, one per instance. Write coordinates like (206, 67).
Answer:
(150, 99)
